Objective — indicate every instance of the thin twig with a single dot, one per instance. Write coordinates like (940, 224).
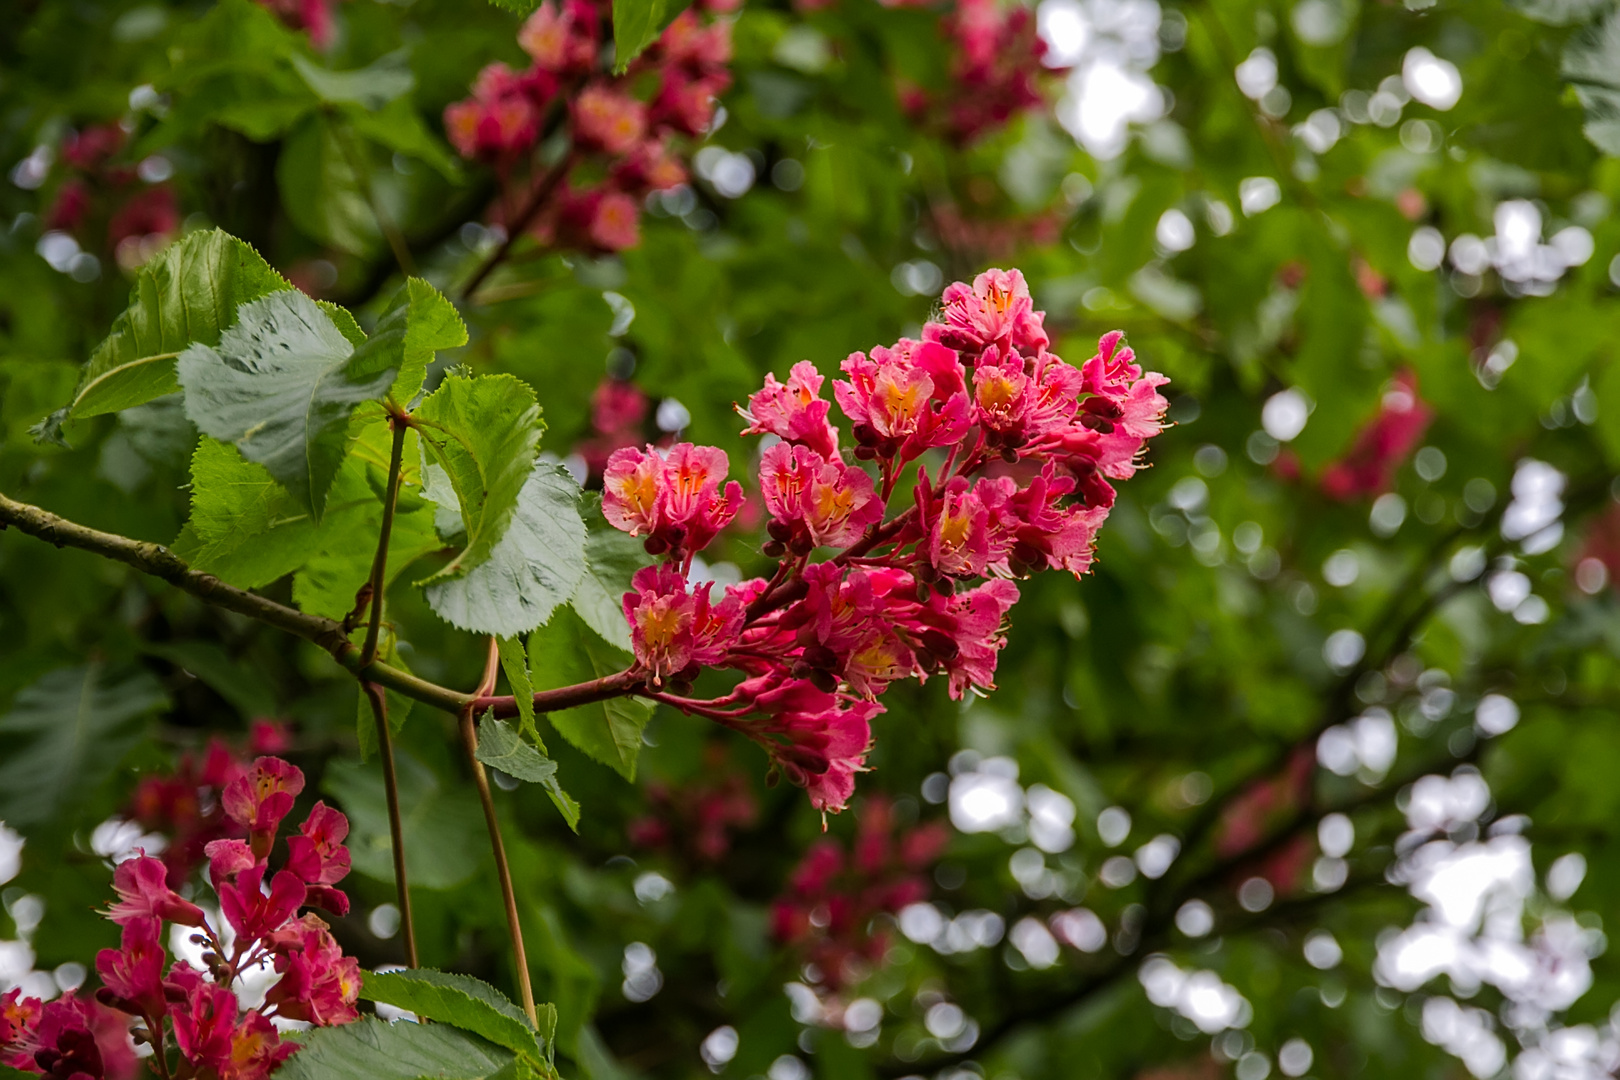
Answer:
(385, 221)
(160, 562)
(396, 830)
(514, 927)
(517, 226)
(379, 565)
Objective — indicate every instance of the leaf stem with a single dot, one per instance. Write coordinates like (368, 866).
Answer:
(379, 565)
(396, 830)
(525, 217)
(469, 740)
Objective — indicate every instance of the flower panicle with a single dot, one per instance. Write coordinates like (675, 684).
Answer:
(1013, 455)
(194, 1013)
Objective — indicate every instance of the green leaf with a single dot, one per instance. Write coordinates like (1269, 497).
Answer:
(63, 737)
(637, 24)
(483, 432)
(188, 294)
(245, 529)
(370, 87)
(500, 747)
(566, 651)
(238, 682)
(326, 186)
(441, 822)
(459, 1000)
(372, 1049)
(338, 559)
(281, 386)
(517, 7)
(398, 126)
(611, 560)
(515, 662)
(1592, 64)
(535, 566)
(422, 321)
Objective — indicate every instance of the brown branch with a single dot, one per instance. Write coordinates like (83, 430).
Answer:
(469, 741)
(379, 565)
(160, 562)
(396, 830)
(525, 217)
(618, 684)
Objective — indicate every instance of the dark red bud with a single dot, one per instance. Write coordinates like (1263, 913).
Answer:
(941, 643)
(780, 530)
(774, 548)
(825, 681)
(655, 545)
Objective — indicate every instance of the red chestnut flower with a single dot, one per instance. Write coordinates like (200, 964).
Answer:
(193, 1013)
(1012, 466)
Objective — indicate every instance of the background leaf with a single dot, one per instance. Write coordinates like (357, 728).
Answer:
(62, 738)
(638, 23)
(441, 822)
(566, 651)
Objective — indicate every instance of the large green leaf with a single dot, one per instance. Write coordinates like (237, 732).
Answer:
(282, 385)
(64, 735)
(637, 24)
(458, 1000)
(483, 432)
(566, 651)
(500, 747)
(244, 528)
(189, 294)
(441, 822)
(370, 87)
(372, 1049)
(533, 568)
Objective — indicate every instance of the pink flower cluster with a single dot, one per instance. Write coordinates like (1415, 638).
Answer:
(995, 67)
(314, 17)
(1014, 451)
(186, 805)
(622, 146)
(198, 1011)
(696, 819)
(1382, 445)
(828, 911)
(104, 197)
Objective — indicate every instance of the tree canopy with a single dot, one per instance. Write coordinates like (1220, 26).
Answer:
(353, 358)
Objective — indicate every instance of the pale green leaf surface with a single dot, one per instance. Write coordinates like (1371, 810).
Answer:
(534, 568)
(372, 1049)
(281, 386)
(188, 294)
